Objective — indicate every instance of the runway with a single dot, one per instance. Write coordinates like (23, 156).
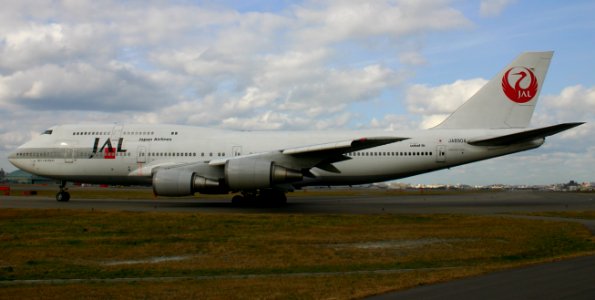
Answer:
(372, 203)
(566, 279)
(481, 203)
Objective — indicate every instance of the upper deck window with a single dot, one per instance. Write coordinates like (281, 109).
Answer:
(49, 131)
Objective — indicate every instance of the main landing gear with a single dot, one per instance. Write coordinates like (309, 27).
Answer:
(267, 197)
(63, 195)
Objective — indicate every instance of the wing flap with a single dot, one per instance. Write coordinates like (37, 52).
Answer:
(523, 136)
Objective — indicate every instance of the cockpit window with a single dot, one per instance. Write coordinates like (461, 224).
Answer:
(49, 131)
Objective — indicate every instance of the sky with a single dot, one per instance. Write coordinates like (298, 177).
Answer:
(297, 65)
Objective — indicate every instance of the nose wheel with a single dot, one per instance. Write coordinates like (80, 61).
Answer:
(63, 195)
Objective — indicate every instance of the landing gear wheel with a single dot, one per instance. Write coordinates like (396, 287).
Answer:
(63, 196)
(281, 199)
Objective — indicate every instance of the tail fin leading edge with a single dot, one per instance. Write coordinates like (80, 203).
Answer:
(506, 101)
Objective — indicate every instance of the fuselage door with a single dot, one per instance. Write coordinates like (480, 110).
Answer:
(441, 153)
(141, 154)
(236, 150)
(69, 155)
(116, 132)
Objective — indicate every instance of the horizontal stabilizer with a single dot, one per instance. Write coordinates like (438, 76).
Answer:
(523, 136)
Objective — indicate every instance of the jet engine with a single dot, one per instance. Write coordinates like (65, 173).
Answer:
(252, 174)
(238, 175)
(183, 182)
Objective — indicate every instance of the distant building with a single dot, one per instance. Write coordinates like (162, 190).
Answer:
(572, 186)
(23, 177)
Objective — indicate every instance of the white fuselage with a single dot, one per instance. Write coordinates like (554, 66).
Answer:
(128, 154)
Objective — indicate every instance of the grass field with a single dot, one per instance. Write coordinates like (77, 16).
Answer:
(586, 215)
(198, 255)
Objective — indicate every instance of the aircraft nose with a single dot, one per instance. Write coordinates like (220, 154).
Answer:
(12, 158)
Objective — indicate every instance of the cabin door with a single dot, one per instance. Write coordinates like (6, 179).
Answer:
(440, 153)
(141, 154)
(236, 150)
(69, 155)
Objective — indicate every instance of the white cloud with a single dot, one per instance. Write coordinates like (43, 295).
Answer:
(104, 56)
(493, 8)
(37, 44)
(323, 23)
(392, 122)
(81, 86)
(436, 103)
(574, 101)
(573, 104)
(12, 139)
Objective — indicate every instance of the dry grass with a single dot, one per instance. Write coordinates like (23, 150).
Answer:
(50, 244)
(587, 215)
(336, 287)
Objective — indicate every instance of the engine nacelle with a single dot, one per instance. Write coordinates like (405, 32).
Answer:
(182, 182)
(252, 174)
(239, 174)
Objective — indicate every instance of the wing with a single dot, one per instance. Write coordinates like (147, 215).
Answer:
(523, 136)
(318, 155)
(342, 147)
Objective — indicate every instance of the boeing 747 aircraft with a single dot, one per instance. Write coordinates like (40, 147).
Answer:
(262, 166)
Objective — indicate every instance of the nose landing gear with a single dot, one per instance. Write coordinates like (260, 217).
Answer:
(63, 195)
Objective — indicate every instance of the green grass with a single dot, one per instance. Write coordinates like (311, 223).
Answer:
(52, 244)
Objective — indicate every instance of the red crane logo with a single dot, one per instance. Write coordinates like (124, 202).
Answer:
(522, 91)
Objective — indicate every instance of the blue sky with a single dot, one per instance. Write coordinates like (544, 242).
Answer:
(297, 65)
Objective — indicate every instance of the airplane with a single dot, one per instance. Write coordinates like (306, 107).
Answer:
(262, 166)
